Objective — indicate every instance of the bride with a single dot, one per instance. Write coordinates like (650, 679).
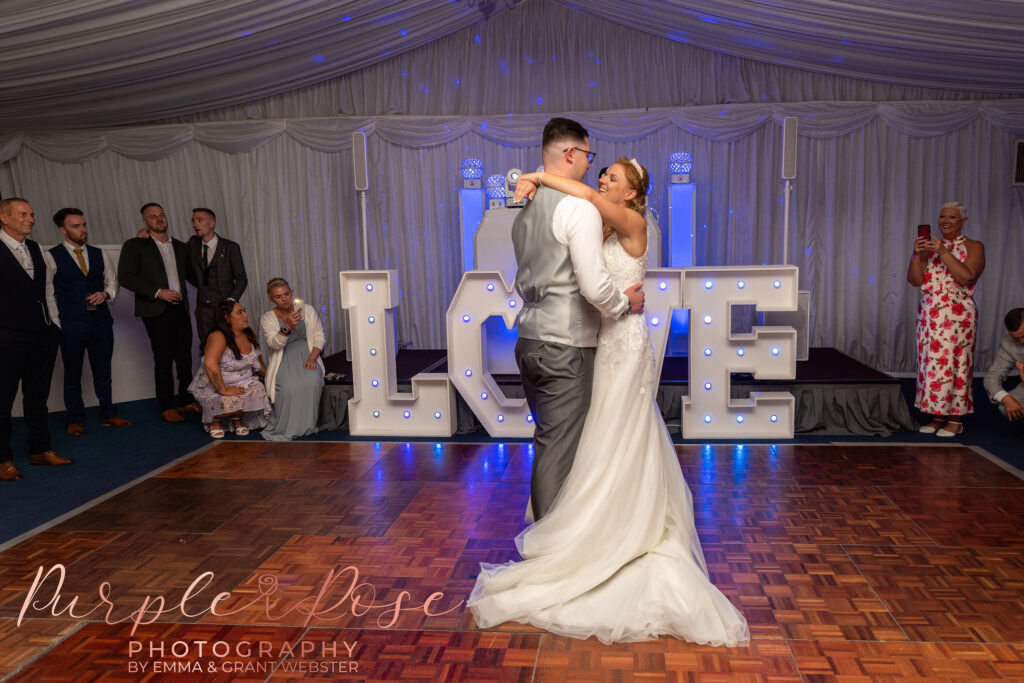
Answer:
(617, 556)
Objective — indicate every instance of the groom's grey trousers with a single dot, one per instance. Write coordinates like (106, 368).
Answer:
(557, 380)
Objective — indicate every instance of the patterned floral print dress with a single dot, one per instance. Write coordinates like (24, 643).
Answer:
(236, 372)
(947, 320)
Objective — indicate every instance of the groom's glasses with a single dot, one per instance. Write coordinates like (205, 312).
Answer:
(590, 155)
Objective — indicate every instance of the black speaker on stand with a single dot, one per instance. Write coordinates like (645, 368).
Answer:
(361, 175)
(789, 125)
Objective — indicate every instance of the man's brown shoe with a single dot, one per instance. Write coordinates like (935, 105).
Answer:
(191, 408)
(49, 458)
(76, 429)
(116, 422)
(172, 415)
(8, 472)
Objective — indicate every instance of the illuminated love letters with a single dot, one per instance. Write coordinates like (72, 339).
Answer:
(377, 408)
(714, 352)
(480, 295)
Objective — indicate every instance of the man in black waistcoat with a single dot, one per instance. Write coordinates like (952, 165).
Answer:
(29, 335)
(218, 270)
(156, 270)
(84, 281)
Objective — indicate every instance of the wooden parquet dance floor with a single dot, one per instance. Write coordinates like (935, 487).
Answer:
(255, 561)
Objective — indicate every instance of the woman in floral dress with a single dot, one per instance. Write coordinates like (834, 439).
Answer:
(228, 385)
(946, 270)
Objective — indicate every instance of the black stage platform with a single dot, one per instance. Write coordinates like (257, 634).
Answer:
(834, 393)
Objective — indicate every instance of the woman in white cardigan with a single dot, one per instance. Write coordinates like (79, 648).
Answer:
(295, 372)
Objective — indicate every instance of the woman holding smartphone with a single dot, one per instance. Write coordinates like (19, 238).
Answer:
(295, 372)
(947, 271)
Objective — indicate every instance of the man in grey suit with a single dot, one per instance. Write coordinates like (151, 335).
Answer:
(156, 269)
(217, 269)
(1010, 355)
(566, 289)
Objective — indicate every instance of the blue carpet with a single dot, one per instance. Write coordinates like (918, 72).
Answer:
(105, 458)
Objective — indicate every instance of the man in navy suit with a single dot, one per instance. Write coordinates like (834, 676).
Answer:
(29, 334)
(83, 283)
(156, 269)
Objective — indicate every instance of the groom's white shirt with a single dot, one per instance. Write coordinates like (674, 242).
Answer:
(577, 224)
(549, 314)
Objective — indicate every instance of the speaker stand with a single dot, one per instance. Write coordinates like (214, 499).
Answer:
(785, 223)
(362, 216)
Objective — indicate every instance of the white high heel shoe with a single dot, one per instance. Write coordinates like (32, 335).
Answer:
(945, 433)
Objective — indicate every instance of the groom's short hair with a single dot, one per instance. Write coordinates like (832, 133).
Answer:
(558, 129)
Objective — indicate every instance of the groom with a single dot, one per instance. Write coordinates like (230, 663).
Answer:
(565, 289)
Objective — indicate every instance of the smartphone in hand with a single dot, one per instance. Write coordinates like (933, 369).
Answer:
(924, 232)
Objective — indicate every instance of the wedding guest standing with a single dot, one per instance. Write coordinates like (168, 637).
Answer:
(156, 270)
(29, 334)
(84, 281)
(947, 270)
(218, 271)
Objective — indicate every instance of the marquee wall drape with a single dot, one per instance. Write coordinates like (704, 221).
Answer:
(867, 174)
(869, 170)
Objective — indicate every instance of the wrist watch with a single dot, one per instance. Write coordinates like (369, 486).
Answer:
(285, 331)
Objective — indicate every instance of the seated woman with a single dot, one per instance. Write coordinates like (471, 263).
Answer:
(295, 372)
(227, 385)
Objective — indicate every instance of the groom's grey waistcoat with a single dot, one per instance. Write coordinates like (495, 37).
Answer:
(553, 308)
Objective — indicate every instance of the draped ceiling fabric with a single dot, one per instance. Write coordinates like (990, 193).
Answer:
(75, 63)
(901, 106)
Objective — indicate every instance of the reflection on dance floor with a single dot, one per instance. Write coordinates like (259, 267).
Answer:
(353, 560)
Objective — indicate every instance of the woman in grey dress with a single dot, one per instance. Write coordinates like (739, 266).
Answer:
(295, 372)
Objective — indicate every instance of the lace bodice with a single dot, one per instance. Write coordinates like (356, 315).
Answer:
(624, 269)
(628, 334)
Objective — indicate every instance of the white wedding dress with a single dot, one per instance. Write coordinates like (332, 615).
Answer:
(617, 556)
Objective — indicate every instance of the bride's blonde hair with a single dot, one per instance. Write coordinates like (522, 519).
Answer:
(639, 180)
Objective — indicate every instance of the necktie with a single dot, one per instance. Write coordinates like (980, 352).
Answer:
(206, 255)
(81, 261)
(25, 259)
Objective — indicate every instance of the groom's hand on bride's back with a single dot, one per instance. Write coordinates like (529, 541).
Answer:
(635, 294)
